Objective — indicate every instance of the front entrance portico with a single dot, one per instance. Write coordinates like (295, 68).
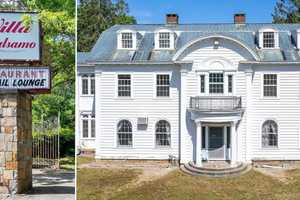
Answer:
(216, 141)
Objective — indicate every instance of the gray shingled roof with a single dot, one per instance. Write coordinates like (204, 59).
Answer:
(105, 49)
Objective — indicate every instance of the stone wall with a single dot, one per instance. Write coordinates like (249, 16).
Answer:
(15, 141)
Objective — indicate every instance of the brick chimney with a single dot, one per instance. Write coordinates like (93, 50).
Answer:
(240, 18)
(172, 19)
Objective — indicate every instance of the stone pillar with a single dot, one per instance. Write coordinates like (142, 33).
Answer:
(15, 141)
(199, 145)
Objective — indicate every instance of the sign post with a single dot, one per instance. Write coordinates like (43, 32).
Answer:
(20, 78)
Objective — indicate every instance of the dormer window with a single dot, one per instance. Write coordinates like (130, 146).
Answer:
(164, 39)
(268, 39)
(127, 40)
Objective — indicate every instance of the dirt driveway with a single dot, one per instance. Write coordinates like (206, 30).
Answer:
(49, 185)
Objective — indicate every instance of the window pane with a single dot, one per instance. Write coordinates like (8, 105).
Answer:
(268, 40)
(164, 40)
(124, 86)
(203, 137)
(85, 86)
(270, 85)
(92, 85)
(127, 41)
(162, 133)
(93, 128)
(228, 137)
(216, 83)
(162, 85)
(229, 83)
(124, 133)
(85, 128)
(202, 83)
(269, 134)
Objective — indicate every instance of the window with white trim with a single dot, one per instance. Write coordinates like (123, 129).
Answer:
(202, 83)
(162, 85)
(163, 134)
(268, 39)
(164, 40)
(88, 84)
(92, 82)
(127, 40)
(230, 83)
(124, 85)
(270, 85)
(124, 132)
(84, 85)
(88, 126)
(216, 83)
(269, 134)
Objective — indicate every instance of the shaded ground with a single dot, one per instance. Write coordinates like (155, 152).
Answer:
(49, 185)
(96, 180)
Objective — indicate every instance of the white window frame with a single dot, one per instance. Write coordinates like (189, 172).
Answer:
(225, 84)
(261, 38)
(134, 39)
(262, 85)
(117, 84)
(156, 39)
(116, 134)
(89, 118)
(89, 78)
(161, 146)
(155, 88)
(261, 134)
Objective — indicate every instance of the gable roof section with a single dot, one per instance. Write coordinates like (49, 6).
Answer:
(105, 49)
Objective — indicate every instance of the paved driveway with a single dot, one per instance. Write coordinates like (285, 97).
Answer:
(49, 185)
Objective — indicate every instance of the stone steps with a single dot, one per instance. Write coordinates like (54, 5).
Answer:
(192, 169)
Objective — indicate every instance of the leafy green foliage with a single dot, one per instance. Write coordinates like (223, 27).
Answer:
(287, 11)
(94, 16)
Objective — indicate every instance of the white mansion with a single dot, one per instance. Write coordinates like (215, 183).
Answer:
(197, 92)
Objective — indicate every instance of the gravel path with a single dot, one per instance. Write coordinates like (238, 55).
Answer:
(49, 185)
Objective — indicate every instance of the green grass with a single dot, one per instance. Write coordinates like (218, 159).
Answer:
(109, 184)
(67, 163)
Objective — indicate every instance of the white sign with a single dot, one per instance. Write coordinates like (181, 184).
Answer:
(25, 78)
(17, 41)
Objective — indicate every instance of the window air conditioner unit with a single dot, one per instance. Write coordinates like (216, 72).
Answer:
(142, 121)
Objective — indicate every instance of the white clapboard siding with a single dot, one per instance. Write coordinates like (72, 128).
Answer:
(143, 103)
(285, 111)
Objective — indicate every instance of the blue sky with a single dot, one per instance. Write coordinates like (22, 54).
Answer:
(201, 11)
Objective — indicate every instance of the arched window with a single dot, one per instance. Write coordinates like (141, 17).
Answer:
(269, 134)
(162, 133)
(124, 130)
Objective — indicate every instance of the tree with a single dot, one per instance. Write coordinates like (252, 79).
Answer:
(287, 11)
(94, 16)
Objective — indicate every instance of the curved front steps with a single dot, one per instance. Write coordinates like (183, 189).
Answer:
(192, 169)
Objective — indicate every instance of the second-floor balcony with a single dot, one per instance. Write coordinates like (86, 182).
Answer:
(216, 103)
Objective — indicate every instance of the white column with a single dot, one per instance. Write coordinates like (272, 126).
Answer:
(98, 107)
(233, 140)
(183, 110)
(199, 145)
(249, 74)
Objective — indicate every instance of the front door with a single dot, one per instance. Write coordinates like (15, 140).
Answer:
(216, 146)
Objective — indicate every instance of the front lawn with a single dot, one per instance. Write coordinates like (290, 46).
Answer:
(116, 184)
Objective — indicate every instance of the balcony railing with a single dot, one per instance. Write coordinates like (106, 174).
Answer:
(216, 103)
